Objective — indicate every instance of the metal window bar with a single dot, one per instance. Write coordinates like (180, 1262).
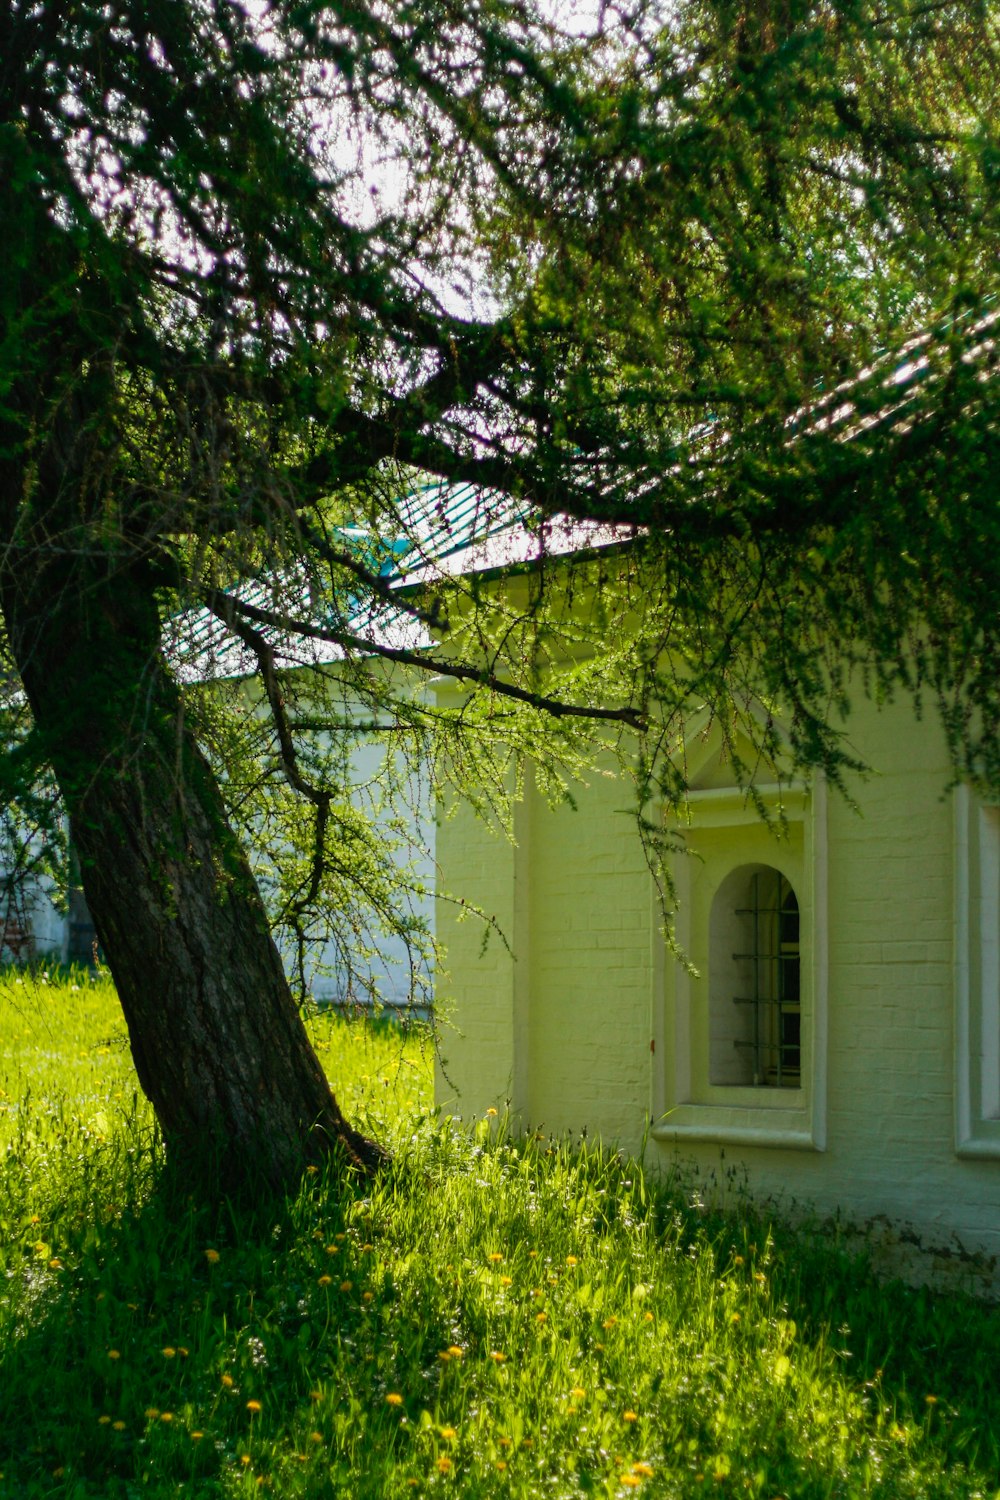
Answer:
(769, 987)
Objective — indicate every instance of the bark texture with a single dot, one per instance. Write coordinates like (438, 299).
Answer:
(217, 1039)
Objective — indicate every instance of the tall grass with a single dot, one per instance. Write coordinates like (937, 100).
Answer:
(492, 1318)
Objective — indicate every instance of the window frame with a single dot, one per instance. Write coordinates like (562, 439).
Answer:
(685, 1106)
(977, 975)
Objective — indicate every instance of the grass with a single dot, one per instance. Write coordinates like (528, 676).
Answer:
(492, 1319)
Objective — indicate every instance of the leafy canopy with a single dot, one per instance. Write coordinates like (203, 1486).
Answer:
(269, 267)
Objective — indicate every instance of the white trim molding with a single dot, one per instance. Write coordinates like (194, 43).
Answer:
(725, 832)
(977, 975)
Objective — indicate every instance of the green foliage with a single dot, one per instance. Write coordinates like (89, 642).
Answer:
(491, 1318)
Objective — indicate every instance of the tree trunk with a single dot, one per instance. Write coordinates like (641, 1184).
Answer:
(217, 1039)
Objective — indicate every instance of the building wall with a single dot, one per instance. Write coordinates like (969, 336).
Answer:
(562, 1029)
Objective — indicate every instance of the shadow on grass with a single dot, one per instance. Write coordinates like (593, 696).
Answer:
(154, 1343)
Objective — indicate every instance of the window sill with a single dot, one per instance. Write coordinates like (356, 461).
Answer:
(737, 1127)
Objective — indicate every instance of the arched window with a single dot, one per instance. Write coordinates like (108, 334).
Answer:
(755, 1036)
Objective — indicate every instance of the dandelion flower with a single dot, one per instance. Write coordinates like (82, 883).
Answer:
(496, 1257)
(118, 1426)
(315, 1395)
(449, 1434)
(630, 1416)
(454, 1351)
(444, 1464)
(324, 1281)
(609, 1322)
(168, 1353)
(504, 1442)
(152, 1412)
(645, 1471)
(166, 1416)
(501, 1464)
(931, 1400)
(212, 1256)
(104, 1421)
(497, 1357)
(253, 1407)
(367, 1296)
(345, 1286)
(114, 1354)
(182, 1351)
(571, 1260)
(541, 1317)
(227, 1381)
(245, 1459)
(578, 1393)
(55, 1264)
(648, 1318)
(315, 1437)
(630, 1481)
(506, 1280)
(394, 1398)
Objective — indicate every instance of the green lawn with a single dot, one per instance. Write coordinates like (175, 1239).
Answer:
(491, 1319)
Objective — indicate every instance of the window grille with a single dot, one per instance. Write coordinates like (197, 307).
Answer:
(772, 922)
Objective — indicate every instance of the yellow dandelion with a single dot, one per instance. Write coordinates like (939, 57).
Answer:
(571, 1260)
(528, 1443)
(454, 1351)
(532, 1254)
(168, 1353)
(152, 1412)
(312, 1169)
(496, 1257)
(245, 1459)
(609, 1322)
(501, 1464)
(55, 1264)
(541, 1317)
(196, 1437)
(325, 1280)
(212, 1256)
(182, 1351)
(648, 1318)
(253, 1407)
(166, 1416)
(444, 1464)
(104, 1421)
(449, 1434)
(645, 1471)
(394, 1398)
(315, 1395)
(630, 1481)
(630, 1416)
(227, 1381)
(367, 1296)
(315, 1437)
(578, 1393)
(505, 1442)
(491, 1113)
(444, 1356)
(332, 1249)
(497, 1357)
(114, 1354)
(345, 1286)
(931, 1400)
(118, 1426)
(737, 1260)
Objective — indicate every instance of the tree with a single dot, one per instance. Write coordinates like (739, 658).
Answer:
(266, 266)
